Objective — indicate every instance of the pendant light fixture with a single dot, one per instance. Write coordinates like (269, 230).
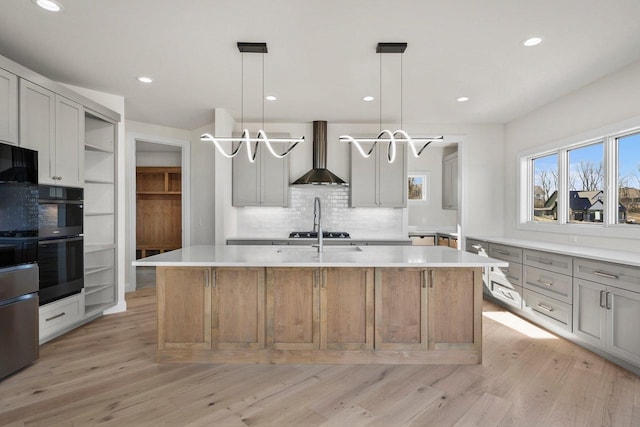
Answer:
(261, 137)
(397, 136)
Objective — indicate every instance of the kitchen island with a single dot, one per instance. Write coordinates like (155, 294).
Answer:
(347, 304)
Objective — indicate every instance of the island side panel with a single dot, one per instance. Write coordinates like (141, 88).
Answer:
(184, 307)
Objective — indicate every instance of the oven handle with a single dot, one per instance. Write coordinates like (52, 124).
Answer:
(60, 202)
(68, 239)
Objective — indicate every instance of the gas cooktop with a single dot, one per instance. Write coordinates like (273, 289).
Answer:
(314, 235)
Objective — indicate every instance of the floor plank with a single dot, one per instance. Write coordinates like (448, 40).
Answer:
(104, 374)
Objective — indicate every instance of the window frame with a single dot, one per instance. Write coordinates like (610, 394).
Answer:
(609, 136)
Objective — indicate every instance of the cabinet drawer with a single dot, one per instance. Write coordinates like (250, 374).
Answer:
(547, 261)
(506, 292)
(512, 273)
(478, 247)
(617, 275)
(549, 309)
(548, 283)
(60, 314)
(505, 253)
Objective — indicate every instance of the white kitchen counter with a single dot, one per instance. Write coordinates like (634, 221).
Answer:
(306, 256)
(608, 255)
(309, 241)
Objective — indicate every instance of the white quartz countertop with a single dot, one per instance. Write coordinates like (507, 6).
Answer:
(608, 255)
(307, 256)
(311, 240)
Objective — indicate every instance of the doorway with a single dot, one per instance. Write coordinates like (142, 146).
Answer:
(159, 203)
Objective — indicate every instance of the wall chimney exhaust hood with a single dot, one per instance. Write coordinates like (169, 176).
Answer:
(319, 175)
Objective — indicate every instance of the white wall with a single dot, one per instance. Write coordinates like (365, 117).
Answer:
(609, 100)
(203, 179)
(159, 158)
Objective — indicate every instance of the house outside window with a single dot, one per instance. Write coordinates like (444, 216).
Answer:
(588, 186)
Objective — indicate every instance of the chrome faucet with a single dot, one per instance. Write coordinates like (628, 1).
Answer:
(317, 221)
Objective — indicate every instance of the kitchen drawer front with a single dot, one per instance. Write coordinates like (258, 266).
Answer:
(554, 285)
(512, 273)
(620, 276)
(478, 247)
(60, 314)
(549, 309)
(506, 292)
(547, 261)
(505, 253)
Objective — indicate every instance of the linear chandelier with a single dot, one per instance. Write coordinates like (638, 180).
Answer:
(261, 137)
(417, 144)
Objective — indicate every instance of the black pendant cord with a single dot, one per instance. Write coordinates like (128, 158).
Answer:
(401, 102)
(263, 91)
(242, 92)
(380, 95)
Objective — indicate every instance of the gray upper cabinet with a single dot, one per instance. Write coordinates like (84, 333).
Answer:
(262, 183)
(377, 183)
(450, 181)
(54, 126)
(8, 107)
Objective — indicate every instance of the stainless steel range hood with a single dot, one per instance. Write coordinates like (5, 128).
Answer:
(319, 174)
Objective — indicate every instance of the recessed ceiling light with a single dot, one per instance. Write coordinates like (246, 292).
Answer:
(368, 98)
(145, 79)
(270, 98)
(50, 5)
(532, 41)
(463, 99)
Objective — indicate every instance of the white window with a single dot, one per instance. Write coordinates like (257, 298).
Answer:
(590, 186)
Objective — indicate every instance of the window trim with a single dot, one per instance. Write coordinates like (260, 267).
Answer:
(608, 135)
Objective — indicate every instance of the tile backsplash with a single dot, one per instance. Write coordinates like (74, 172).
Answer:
(336, 216)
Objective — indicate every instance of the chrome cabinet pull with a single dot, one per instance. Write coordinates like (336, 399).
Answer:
(476, 247)
(545, 261)
(545, 307)
(545, 283)
(502, 252)
(603, 274)
(608, 300)
(603, 299)
(55, 317)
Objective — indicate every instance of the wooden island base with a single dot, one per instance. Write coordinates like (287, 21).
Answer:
(337, 315)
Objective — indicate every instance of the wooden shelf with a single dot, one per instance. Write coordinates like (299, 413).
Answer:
(159, 193)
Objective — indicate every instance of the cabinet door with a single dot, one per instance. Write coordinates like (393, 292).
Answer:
(455, 297)
(450, 183)
(589, 312)
(363, 179)
(185, 321)
(392, 177)
(37, 127)
(623, 318)
(293, 315)
(400, 309)
(8, 107)
(245, 180)
(69, 142)
(238, 304)
(274, 174)
(346, 309)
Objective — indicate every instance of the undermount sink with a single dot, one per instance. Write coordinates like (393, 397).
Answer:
(331, 249)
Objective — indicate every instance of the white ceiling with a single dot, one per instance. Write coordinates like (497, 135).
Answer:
(322, 59)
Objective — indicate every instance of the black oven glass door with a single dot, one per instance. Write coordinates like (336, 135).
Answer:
(60, 218)
(61, 268)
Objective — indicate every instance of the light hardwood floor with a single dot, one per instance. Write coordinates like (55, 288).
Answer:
(103, 373)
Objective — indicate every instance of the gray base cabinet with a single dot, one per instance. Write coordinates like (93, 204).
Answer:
(593, 303)
(8, 107)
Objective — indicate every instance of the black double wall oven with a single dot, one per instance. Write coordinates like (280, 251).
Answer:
(60, 242)
(18, 258)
